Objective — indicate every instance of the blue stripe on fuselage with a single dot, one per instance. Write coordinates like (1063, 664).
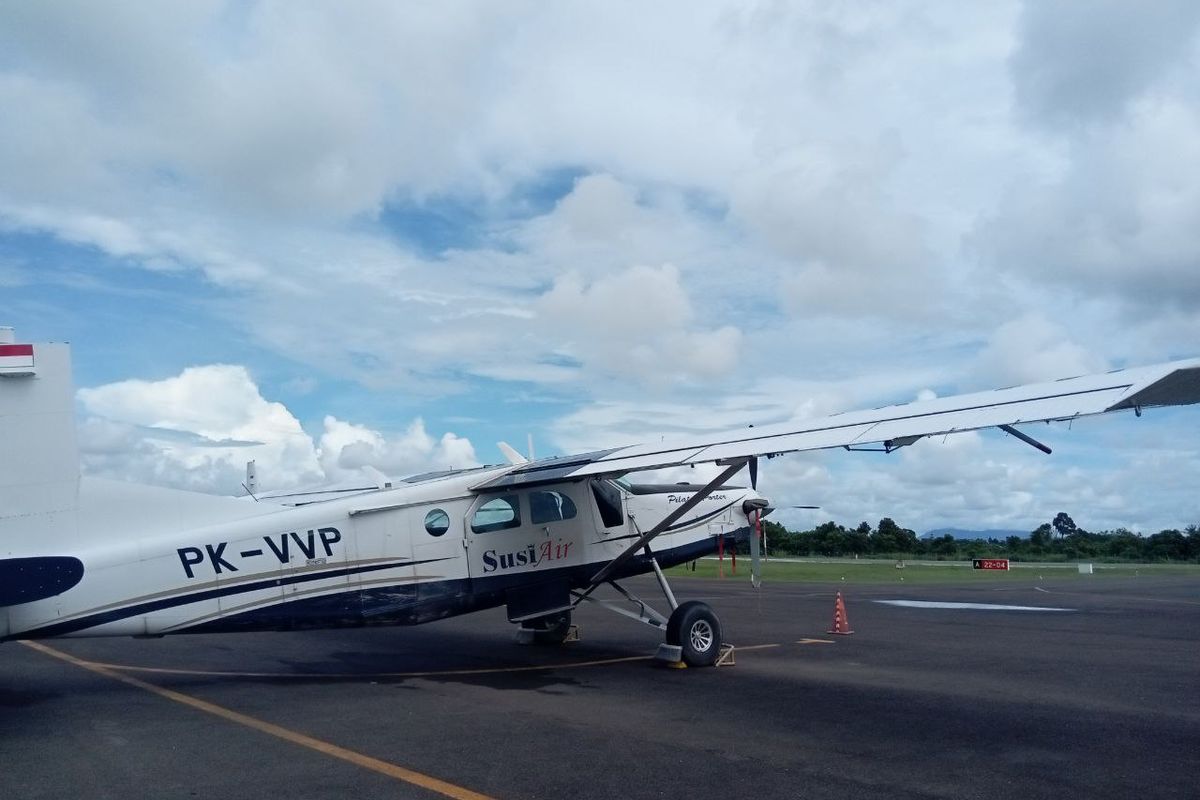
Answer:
(412, 604)
(117, 614)
(398, 604)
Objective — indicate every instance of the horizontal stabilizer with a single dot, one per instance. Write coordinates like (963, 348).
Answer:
(23, 580)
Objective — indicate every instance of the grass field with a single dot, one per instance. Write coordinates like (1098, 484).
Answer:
(829, 571)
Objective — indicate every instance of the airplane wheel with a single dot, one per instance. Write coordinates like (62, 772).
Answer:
(694, 626)
(552, 628)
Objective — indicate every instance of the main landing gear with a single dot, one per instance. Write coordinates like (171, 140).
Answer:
(693, 630)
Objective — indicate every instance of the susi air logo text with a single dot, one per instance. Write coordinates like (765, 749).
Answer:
(530, 556)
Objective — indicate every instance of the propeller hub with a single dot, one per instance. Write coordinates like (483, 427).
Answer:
(753, 504)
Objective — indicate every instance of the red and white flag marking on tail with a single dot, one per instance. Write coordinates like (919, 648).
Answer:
(16, 355)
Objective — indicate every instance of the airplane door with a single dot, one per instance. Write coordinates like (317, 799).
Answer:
(439, 556)
(517, 534)
(381, 538)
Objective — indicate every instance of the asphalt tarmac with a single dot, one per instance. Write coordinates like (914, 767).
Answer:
(1099, 701)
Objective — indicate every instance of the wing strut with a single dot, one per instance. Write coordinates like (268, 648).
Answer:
(611, 567)
(1026, 438)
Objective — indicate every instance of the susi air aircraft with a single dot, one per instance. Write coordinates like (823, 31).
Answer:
(84, 556)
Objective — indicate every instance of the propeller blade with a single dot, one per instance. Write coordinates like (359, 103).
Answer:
(754, 473)
(756, 551)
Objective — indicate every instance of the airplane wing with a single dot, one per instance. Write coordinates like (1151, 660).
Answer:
(1171, 384)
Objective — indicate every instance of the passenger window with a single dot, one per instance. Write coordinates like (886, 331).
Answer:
(497, 514)
(437, 522)
(549, 507)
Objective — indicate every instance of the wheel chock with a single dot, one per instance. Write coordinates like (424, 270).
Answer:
(726, 658)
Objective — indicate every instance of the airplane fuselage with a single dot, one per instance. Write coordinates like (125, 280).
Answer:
(405, 555)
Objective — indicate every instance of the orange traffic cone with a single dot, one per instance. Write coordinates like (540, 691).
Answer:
(841, 623)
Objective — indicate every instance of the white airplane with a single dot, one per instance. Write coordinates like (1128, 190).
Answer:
(83, 556)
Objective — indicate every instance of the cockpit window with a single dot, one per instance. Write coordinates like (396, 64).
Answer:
(549, 507)
(608, 501)
(497, 514)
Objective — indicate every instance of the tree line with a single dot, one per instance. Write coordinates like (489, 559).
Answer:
(1058, 540)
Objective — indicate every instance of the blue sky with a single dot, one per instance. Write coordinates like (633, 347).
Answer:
(391, 236)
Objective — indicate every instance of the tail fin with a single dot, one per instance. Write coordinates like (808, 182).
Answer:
(39, 459)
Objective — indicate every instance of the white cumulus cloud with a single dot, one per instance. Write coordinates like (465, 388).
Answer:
(638, 322)
(345, 449)
(197, 430)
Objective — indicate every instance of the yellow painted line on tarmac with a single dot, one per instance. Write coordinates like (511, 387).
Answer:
(439, 673)
(358, 759)
(436, 673)
(738, 649)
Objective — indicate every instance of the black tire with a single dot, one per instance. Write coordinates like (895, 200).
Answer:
(550, 629)
(695, 628)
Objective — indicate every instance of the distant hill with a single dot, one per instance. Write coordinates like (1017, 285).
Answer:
(960, 533)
